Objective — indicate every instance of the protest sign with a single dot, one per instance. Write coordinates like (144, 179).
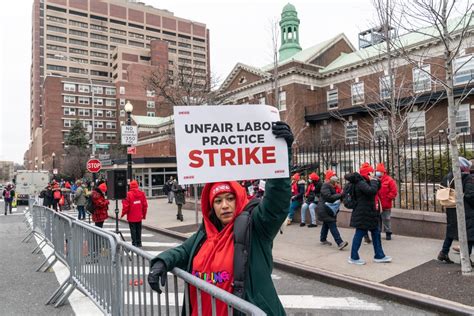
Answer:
(224, 143)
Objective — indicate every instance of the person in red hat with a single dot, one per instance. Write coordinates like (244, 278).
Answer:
(327, 209)
(311, 199)
(297, 193)
(135, 207)
(101, 205)
(387, 193)
(364, 216)
(213, 254)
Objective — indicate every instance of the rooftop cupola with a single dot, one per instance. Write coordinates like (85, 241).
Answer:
(289, 25)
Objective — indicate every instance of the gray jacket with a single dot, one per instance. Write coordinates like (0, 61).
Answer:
(80, 197)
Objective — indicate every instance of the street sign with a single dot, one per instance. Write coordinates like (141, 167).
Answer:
(55, 171)
(129, 135)
(104, 157)
(131, 150)
(106, 162)
(94, 165)
(102, 146)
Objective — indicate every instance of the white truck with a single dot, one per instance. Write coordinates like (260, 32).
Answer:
(30, 183)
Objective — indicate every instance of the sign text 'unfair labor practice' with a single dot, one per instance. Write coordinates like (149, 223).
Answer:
(224, 143)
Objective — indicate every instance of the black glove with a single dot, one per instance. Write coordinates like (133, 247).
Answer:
(157, 271)
(282, 130)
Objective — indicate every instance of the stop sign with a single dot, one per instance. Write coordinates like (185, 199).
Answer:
(94, 165)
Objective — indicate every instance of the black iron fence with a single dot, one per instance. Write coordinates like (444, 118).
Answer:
(417, 165)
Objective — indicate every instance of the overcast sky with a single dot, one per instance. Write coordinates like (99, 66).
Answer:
(239, 32)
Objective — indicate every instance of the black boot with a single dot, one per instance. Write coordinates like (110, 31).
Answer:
(181, 218)
(444, 257)
(388, 236)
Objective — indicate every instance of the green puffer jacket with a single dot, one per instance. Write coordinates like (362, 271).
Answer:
(267, 218)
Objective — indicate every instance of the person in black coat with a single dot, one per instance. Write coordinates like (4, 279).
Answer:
(364, 215)
(47, 195)
(330, 194)
(451, 217)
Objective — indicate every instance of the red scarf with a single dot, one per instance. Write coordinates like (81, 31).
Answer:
(214, 261)
(309, 189)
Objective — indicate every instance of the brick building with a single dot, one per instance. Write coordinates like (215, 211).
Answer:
(108, 47)
(333, 93)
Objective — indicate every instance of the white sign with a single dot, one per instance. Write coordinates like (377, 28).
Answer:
(225, 143)
(129, 135)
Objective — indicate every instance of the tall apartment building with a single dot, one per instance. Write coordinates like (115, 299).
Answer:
(111, 45)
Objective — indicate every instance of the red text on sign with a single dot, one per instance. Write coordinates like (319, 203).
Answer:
(232, 157)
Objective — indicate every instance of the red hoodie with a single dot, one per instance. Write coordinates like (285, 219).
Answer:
(214, 262)
(135, 205)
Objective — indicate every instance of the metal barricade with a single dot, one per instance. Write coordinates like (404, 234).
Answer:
(139, 299)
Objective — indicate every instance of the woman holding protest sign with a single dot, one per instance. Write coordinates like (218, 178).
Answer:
(217, 252)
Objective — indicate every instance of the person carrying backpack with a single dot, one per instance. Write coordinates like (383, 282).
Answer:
(364, 216)
(135, 207)
(331, 194)
(215, 252)
(387, 193)
(8, 196)
(311, 199)
(80, 200)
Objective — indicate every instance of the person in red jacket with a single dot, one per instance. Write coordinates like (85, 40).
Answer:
(135, 207)
(101, 205)
(387, 193)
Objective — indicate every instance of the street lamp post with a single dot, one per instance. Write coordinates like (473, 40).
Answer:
(128, 110)
(42, 164)
(53, 155)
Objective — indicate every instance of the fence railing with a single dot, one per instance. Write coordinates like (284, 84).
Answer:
(113, 273)
(417, 165)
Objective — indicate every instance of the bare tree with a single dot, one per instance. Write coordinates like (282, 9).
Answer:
(76, 161)
(184, 85)
(450, 23)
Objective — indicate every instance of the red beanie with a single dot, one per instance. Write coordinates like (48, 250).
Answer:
(365, 169)
(380, 167)
(296, 176)
(103, 187)
(134, 184)
(313, 176)
(328, 174)
(219, 188)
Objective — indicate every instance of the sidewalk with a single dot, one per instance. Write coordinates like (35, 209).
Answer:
(413, 258)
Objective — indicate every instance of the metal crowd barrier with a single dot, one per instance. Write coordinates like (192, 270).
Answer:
(113, 273)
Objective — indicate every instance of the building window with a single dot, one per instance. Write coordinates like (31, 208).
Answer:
(110, 136)
(380, 128)
(56, 67)
(150, 104)
(122, 113)
(110, 113)
(69, 99)
(282, 101)
(97, 90)
(122, 90)
(70, 87)
(99, 136)
(352, 132)
(262, 100)
(122, 101)
(150, 93)
(78, 42)
(83, 100)
(110, 125)
(385, 83)
(421, 79)
(463, 119)
(86, 124)
(463, 69)
(67, 123)
(99, 113)
(78, 70)
(358, 96)
(83, 88)
(69, 111)
(150, 114)
(332, 99)
(416, 124)
(109, 102)
(325, 132)
(98, 101)
(98, 124)
(84, 112)
(110, 91)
